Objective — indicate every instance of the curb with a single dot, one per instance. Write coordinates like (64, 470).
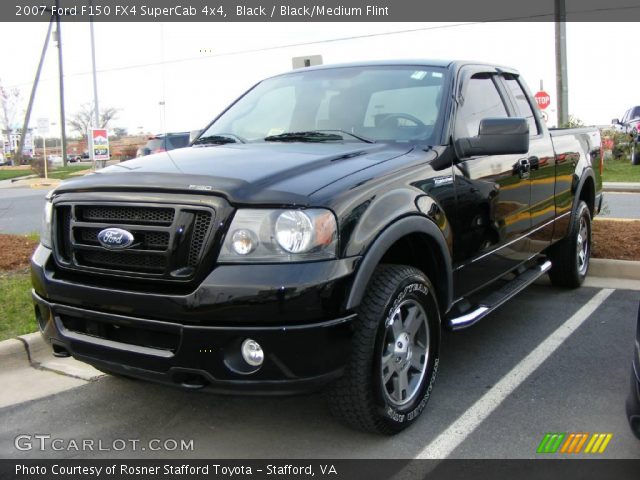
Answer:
(622, 269)
(10, 350)
(631, 187)
(31, 349)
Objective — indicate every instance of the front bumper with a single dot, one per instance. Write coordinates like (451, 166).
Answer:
(194, 340)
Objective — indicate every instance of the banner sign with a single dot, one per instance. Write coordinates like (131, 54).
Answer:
(99, 144)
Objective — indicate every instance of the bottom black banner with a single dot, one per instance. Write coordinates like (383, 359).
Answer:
(322, 468)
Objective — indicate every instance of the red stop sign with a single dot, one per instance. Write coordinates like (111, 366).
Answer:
(542, 99)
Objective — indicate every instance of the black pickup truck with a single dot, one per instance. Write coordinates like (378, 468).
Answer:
(321, 232)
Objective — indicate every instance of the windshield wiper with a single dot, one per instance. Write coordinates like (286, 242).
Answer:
(221, 139)
(313, 136)
(310, 136)
(361, 138)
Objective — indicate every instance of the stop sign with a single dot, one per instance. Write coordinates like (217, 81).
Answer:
(542, 99)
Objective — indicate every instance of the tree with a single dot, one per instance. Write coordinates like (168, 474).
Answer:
(82, 120)
(119, 132)
(9, 102)
(574, 122)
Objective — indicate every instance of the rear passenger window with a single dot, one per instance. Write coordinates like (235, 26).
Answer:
(523, 105)
(481, 100)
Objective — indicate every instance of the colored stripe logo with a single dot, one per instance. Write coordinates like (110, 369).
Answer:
(574, 443)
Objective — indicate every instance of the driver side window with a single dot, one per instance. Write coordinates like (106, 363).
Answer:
(481, 100)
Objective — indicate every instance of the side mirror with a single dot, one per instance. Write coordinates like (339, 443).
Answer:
(193, 134)
(615, 121)
(496, 136)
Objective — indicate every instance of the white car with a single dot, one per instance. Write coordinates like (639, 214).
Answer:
(54, 159)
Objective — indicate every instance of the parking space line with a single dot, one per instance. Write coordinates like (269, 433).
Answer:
(445, 443)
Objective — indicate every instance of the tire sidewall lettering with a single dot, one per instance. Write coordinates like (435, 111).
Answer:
(415, 288)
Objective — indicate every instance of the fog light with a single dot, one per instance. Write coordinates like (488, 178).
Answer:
(252, 352)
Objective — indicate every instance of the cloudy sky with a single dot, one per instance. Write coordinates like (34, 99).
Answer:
(197, 69)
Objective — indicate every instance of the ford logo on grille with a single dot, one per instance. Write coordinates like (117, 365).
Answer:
(115, 238)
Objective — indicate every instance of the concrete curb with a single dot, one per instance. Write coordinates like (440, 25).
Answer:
(606, 268)
(633, 187)
(32, 350)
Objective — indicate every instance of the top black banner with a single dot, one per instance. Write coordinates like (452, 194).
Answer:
(320, 10)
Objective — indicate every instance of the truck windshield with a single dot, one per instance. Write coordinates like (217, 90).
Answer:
(350, 104)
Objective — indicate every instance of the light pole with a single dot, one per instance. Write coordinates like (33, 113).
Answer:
(96, 108)
(561, 63)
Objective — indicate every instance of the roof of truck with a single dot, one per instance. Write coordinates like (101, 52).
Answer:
(452, 64)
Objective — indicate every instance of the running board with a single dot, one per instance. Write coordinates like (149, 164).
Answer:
(497, 298)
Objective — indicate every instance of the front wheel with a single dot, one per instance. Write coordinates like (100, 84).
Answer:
(394, 356)
(635, 154)
(570, 256)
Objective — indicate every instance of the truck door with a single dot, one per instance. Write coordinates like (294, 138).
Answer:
(492, 217)
(539, 165)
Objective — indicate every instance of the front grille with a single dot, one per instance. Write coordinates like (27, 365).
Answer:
(128, 215)
(123, 261)
(169, 241)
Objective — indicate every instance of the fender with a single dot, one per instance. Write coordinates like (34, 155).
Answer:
(586, 173)
(395, 231)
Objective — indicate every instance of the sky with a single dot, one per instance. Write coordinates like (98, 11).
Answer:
(197, 69)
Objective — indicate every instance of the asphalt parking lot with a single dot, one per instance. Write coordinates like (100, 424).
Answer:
(483, 404)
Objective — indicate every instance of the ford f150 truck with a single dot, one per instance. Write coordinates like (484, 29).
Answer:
(321, 232)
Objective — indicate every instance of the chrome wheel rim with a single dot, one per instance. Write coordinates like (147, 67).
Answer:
(582, 250)
(405, 353)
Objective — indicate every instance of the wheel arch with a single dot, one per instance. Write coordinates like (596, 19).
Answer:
(586, 190)
(400, 243)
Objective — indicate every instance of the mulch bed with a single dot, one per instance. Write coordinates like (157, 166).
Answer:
(616, 239)
(611, 239)
(15, 251)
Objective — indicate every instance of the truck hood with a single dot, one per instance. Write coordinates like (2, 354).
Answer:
(266, 173)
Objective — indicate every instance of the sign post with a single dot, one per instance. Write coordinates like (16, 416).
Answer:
(43, 130)
(99, 146)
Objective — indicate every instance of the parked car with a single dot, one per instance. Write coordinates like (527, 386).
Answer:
(54, 159)
(163, 143)
(321, 233)
(633, 401)
(630, 124)
(72, 157)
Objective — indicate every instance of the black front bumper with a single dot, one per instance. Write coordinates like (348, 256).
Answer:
(191, 340)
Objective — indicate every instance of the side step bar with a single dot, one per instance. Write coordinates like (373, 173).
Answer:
(497, 298)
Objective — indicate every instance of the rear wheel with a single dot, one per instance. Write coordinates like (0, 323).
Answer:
(570, 257)
(394, 357)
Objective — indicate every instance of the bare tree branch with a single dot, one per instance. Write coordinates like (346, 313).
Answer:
(82, 120)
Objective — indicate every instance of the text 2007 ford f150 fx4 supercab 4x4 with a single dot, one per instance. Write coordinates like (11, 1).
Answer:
(320, 233)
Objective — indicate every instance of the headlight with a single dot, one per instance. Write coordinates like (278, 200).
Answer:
(258, 235)
(45, 230)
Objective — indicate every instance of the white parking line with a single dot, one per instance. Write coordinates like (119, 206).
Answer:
(455, 434)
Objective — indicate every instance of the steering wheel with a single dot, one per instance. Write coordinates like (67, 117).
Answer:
(405, 116)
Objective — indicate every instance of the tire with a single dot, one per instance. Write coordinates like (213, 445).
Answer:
(635, 154)
(570, 256)
(382, 349)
